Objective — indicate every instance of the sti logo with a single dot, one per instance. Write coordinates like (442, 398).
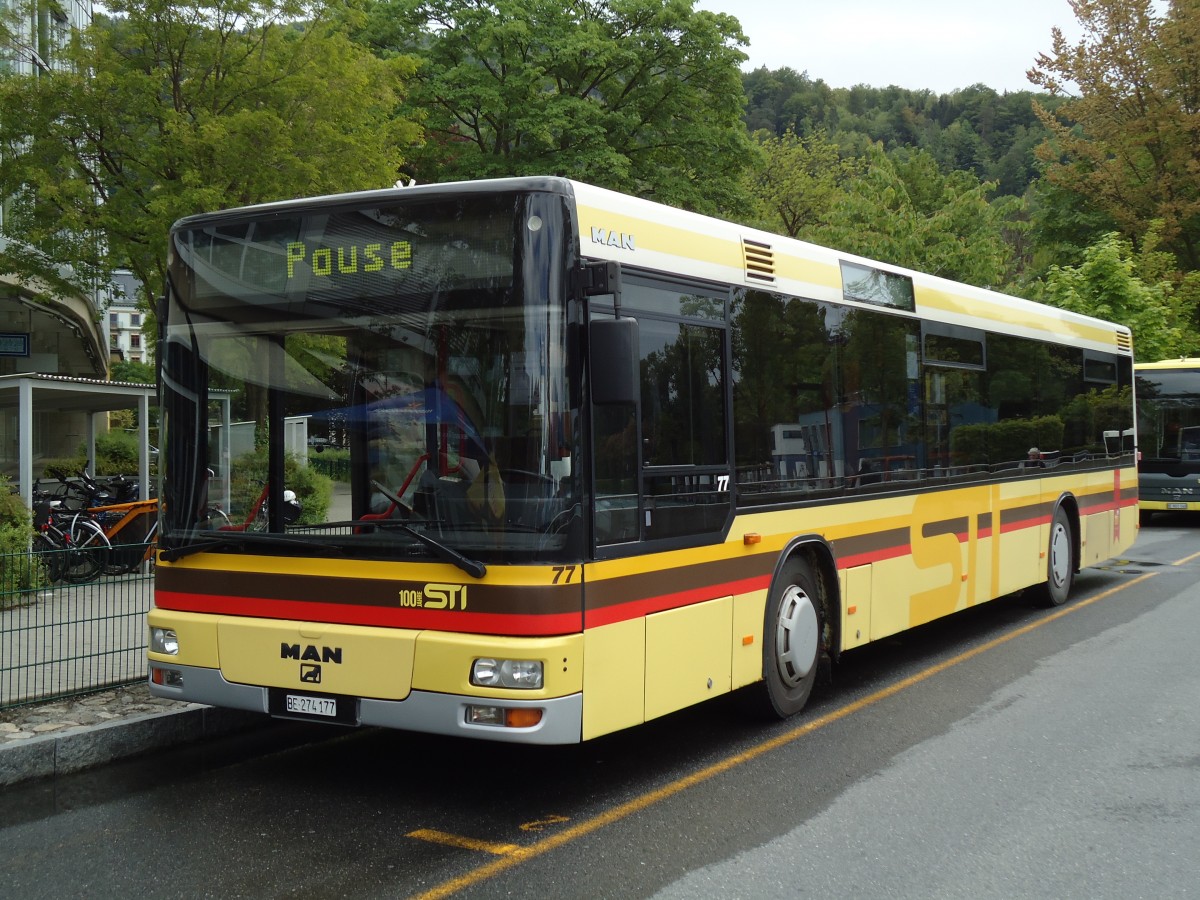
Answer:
(435, 596)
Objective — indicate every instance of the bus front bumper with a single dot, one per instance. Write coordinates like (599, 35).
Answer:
(425, 711)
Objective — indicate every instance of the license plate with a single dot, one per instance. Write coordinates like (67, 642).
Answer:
(311, 706)
(1176, 506)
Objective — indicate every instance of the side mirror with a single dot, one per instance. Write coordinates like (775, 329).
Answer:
(613, 357)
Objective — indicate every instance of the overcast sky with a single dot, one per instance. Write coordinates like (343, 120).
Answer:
(941, 45)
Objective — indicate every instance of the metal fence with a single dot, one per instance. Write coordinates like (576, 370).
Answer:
(58, 640)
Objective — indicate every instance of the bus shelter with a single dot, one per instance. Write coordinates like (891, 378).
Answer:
(56, 399)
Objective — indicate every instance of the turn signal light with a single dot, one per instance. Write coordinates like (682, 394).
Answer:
(522, 718)
(504, 717)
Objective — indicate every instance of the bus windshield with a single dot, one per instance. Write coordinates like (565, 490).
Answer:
(1169, 413)
(378, 380)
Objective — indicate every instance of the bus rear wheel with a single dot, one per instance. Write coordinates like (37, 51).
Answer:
(792, 643)
(1060, 563)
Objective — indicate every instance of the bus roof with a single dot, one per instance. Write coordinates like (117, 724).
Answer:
(1183, 362)
(650, 235)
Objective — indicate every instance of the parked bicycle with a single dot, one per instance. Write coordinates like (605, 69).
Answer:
(130, 525)
(73, 554)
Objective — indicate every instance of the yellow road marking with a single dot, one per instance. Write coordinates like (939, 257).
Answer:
(1186, 559)
(463, 843)
(540, 824)
(520, 854)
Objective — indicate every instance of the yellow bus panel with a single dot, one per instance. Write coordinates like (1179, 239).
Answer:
(334, 659)
(688, 655)
(615, 671)
(443, 663)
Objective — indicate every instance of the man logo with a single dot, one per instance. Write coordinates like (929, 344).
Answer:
(310, 673)
(311, 653)
(617, 239)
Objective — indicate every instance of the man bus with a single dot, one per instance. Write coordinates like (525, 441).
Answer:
(604, 459)
(1168, 396)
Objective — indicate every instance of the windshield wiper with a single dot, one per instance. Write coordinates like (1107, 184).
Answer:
(240, 539)
(472, 567)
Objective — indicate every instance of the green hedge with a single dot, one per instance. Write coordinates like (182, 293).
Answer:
(314, 490)
(1005, 442)
(20, 571)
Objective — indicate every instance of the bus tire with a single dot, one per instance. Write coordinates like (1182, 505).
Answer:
(792, 644)
(1060, 563)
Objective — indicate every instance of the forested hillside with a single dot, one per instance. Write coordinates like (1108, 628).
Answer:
(1083, 191)
(974, 130)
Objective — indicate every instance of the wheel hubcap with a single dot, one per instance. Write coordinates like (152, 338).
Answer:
(796, 636)
(1060, 555)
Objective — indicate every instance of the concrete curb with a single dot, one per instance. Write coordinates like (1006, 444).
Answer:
(83, 747)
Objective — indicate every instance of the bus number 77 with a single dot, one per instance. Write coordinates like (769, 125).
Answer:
(560, 571)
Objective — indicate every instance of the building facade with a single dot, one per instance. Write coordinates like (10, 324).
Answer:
(125, 320)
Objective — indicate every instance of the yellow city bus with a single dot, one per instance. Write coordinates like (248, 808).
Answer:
(533, 461)
(1168, 395)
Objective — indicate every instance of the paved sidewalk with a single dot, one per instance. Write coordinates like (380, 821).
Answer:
(70, 735)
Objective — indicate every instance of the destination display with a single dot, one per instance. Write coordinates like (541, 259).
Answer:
(351, 255)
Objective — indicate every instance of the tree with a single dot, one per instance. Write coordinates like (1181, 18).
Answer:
(784, 100)
(798, 180)
(643, 96)
(172, 108)
(1129, 141)
(903, 210)
(1109, 284)
(136, 372)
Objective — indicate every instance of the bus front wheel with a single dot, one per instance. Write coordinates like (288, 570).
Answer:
(792, 643)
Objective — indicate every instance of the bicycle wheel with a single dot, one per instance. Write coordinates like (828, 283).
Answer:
(124, 558)
(89, 552)
(51, 557)
(214, 519)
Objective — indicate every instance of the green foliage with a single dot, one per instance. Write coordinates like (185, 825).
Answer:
(903, 210)
(1087, 415)
(314, 490)
(975, 129)
(798, 181)
(20, 571)
(1126, 144)
(1007, 441)
(68, 464)
(171, 108)
(643, 96)
(1108, 284)
(116, 454)
(132, 371)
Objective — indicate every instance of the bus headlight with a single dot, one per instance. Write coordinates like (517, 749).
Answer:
(520, 674)
(164, 640)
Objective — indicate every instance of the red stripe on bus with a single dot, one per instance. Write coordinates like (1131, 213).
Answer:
(340, 614)
(1022, 524)
(874, 556)
(636, 609)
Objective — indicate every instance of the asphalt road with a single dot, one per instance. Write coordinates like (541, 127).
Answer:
(1005, 752)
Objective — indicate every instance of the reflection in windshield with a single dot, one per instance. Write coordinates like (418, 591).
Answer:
(316, 410)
